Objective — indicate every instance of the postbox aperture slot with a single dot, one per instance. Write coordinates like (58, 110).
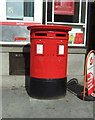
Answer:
(60, 35)
(40, 34)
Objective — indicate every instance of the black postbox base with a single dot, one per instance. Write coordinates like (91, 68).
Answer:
(47, 88)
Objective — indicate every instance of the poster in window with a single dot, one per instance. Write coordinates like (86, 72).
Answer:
(64, 7)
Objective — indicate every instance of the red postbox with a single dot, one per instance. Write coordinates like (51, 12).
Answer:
(48, 60)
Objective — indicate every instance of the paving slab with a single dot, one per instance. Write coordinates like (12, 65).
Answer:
(16, 103)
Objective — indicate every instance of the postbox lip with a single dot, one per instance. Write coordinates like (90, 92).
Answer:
(49, 27)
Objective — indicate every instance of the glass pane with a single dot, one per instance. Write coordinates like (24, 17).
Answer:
(14, 10)
(49, 11)
(10, 32)
(29, 9)
(68, 12)
(83, 12)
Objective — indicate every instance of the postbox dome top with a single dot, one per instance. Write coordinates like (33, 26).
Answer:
(49, 27)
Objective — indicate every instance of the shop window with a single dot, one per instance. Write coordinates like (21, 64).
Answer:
(70, 13)
(19, 10)
(66, 12)
(67, 16)
(63, 13)
(14, 33)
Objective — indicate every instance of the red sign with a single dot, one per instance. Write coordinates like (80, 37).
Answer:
(79, 38)
(19, 38)
(64, 7)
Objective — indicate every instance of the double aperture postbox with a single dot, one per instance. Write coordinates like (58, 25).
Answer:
(48, 60)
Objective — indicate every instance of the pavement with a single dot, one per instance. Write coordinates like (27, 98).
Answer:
(16, 103)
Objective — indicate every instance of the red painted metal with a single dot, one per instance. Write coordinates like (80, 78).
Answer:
(48, 51)
(50, 27)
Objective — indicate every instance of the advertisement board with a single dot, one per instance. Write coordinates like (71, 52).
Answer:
(91, 74)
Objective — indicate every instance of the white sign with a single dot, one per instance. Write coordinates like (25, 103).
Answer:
(61, 50)
(91, 73)
(39, 48)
